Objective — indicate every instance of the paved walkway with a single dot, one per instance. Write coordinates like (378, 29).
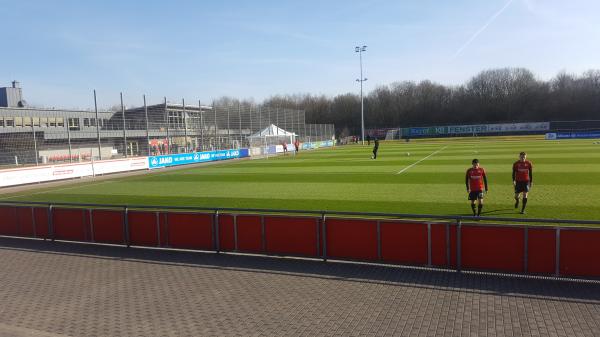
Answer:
(64, 289)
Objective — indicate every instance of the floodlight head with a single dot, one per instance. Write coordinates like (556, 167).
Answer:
(357, 80)
(365, 79)
(357, 49)
(364, 48)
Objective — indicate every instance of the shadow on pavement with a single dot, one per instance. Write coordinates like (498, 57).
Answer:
(545, 288)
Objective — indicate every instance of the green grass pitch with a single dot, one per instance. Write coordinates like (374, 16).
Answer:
(428, 181)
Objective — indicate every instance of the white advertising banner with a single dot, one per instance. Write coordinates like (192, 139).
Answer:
(29, 175)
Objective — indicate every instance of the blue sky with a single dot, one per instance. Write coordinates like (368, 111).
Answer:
(200, 50)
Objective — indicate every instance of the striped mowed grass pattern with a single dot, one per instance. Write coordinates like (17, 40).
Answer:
(422, 177)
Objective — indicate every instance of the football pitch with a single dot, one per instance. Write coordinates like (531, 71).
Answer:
(418, 177)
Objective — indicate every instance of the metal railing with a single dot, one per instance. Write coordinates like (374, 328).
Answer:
(454, 225)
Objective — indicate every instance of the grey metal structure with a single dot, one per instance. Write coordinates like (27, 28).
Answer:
(12, 97)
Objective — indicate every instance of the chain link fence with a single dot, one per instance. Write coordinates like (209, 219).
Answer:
(34, 136)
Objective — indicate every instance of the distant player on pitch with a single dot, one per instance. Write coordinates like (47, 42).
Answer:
(522, 175)
(476, 181)
(375, 148)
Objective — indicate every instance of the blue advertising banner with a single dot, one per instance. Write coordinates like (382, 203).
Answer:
(574, 135)
(316, 145)
(195, 157)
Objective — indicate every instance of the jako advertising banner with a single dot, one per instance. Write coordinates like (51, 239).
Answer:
(195, 157)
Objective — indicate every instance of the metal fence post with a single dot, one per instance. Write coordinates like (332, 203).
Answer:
(201, 125)
(33, 222)
(240, 119)
(126, 234)
(216, 126)
(50, 224)
(97, 127)
(259, 118)
(235, 232)
(70, 148)
(216, 231)
(458, 246)
(557, 265)
(147, 126)
(185, 128)
(35, 150)
(168, 127)
(324, 228)
(124, 126)
(250, 119)
(228, 128)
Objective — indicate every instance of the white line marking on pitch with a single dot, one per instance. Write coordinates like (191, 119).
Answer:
(415, 163)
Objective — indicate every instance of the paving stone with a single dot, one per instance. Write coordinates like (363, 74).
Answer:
(66, 289)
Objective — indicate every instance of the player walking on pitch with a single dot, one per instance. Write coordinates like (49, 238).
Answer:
(476, 181)
(375, 149)
(522, 175)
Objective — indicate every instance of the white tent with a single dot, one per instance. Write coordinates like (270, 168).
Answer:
(272, 130)
(270, 140)
(272, 134)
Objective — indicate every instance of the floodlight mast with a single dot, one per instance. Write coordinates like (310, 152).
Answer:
(360, 50)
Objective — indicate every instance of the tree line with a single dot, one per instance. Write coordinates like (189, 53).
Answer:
(492, 96)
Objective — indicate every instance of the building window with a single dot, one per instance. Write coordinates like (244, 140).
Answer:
(74, 123)
(36, 121)
(86, 122)
(9, 121)
(52, 122)
(44, 122)
(18, 121)
(60, 122)
(2, 122)
(26, 121)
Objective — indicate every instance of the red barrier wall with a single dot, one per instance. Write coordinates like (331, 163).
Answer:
(351, 239)
(8, 220)
(25, 221)
(226, 233)
(492, 248)
(189, 231)
(296, 236)
(71, 224)
(439, 252)
(108, 226)
(143, 228)
(249, 232)
(579, 252)
(40, 216)
(404, 242)
(541, 245)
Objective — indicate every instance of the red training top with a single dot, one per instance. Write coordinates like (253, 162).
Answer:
(476, 178)
(522, 171)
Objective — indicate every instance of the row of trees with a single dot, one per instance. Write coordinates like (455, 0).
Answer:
(497, 95)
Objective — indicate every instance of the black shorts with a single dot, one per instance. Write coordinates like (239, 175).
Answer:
(522, 186)
(474, 195)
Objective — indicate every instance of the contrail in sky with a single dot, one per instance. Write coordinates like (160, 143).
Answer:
(489, 22)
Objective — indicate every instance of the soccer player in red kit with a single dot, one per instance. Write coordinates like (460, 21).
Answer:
(522, 176)
(476, 181)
